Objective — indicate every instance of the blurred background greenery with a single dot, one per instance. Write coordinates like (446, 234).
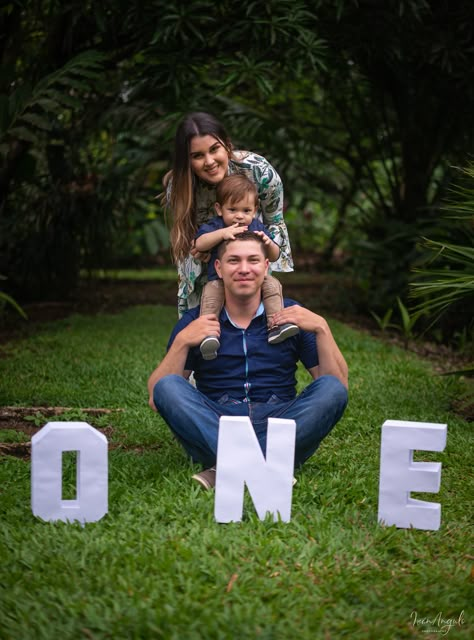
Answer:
(366, 109)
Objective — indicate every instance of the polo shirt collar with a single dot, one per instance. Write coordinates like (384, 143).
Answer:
(226, 316)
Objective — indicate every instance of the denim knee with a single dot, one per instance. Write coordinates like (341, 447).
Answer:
(167, 387)
(336, 391)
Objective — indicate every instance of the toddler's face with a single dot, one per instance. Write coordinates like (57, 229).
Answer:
(241, 212)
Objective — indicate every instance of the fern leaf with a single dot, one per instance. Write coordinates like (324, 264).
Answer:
(61, 98)
(37, 121)
(74, 83)
(22, 133)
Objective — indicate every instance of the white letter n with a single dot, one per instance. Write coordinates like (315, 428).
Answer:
(240, 460)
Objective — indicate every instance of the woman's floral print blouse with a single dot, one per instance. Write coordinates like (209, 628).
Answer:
(192, 276)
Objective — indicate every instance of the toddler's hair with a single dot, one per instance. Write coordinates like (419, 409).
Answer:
(234, 188)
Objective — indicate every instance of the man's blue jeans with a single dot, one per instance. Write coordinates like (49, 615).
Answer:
(194, 419)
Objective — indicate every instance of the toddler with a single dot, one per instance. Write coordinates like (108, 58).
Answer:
(237, 203)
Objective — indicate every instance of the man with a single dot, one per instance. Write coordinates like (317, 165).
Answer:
(249, 377)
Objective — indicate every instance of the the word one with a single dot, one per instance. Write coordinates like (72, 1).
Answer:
(240, 463)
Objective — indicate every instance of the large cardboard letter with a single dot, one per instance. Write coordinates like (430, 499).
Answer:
(240, 460)
(47, 447)
(399, 474)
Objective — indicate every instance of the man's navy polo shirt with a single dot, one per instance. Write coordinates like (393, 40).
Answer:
(215, 224)
(247, 368)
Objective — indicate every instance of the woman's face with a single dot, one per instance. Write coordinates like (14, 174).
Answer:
(209, 158)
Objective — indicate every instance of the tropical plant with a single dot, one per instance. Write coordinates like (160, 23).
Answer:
(408, 321)
(445, 282)
(6, 299)
(70, 180)
(444, 287)
(375, 127)
(362, 107)
(383, 322)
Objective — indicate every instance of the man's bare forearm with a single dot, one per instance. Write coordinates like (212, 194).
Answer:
(331, 360)
(172, 363)
(175, 360)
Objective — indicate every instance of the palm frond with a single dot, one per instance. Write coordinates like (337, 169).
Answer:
(29, 111)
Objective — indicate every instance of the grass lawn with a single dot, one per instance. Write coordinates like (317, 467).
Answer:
(159, 566)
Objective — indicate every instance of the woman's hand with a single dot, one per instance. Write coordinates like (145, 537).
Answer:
(203, 256)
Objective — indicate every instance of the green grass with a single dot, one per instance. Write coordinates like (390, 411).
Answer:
(160, 273)
(159, 566)
(169, 273)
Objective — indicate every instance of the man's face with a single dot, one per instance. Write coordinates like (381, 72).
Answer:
(243, 267)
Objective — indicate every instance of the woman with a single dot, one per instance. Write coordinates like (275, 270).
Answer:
(203, 156)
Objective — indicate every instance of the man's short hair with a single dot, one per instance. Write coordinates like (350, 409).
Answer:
(245, 236)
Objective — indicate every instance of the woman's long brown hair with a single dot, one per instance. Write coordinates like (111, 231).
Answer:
(181, 199)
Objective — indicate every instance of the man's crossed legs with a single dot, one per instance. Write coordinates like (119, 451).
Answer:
(194, 418)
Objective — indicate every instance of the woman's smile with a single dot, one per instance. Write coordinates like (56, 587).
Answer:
(209, 158)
